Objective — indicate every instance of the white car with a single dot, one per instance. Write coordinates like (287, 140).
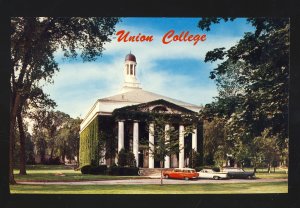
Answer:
(211, 174)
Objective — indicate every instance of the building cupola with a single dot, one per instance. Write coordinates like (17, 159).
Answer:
(130, 79)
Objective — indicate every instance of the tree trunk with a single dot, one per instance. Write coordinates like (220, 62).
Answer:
(22, 145)
(77, 162)
(15, 101)
(269, 168)
(161, 172)
(52, 152)
(11, 151)
(63, 155)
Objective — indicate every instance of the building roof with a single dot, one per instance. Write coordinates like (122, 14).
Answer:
(130, 57)
(106, 106)
(139, 95)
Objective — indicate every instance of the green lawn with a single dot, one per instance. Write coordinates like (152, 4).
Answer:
(50, 173)
(263, 173)
(53, 173)
(236, 188)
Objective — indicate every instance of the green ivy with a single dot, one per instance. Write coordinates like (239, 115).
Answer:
(89, 144)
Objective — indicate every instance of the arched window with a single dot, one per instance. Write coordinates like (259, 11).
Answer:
(131, 72)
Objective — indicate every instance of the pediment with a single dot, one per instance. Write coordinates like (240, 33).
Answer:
(157, 106)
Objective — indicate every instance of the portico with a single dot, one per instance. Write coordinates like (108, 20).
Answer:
(142, 111)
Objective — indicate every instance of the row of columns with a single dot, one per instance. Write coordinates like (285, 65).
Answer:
(151, 143)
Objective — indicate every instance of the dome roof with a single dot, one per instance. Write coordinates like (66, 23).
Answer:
(130, 57)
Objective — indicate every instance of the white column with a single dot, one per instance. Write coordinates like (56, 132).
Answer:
(181, 146)
(167, 138)
(194, 139)
(120, 135)
(151, 145)
(136, 142)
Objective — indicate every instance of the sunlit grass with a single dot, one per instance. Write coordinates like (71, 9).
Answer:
(61, 173)
(263, 173)
(67, 173)
(235, 188)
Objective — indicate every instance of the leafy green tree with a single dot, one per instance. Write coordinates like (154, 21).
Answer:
(220, 156)
(33, 43)
(214, 137)
(252, 79)
(267, 147)
(49, 126)
(126, 158)
(68, 139)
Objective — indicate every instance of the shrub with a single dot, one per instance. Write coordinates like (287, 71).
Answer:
(95, 170)
(130, 159)
(86, 169)
(123, 171)
(98, 170)
(126, 158)
(122, 158)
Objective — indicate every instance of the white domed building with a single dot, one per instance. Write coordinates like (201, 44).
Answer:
(120, 122)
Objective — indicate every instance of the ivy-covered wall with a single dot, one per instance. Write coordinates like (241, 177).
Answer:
(89, 144)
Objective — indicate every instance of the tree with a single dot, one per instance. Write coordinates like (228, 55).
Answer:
(267, 148)
(126, 158)
(33, 43)
(252, 81)
(53, 122)
(214, 138)
(68, 139)
(31, 101)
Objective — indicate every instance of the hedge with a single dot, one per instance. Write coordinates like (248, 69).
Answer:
(123, 171)
(94, 170)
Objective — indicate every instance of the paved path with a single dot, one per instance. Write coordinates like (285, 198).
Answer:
(154, 181)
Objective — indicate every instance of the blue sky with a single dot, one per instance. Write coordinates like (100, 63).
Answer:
(175, 70)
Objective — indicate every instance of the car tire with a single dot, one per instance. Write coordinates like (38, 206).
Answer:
(249, 177)
(186, 178)
(166, 176)
(216, 177)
